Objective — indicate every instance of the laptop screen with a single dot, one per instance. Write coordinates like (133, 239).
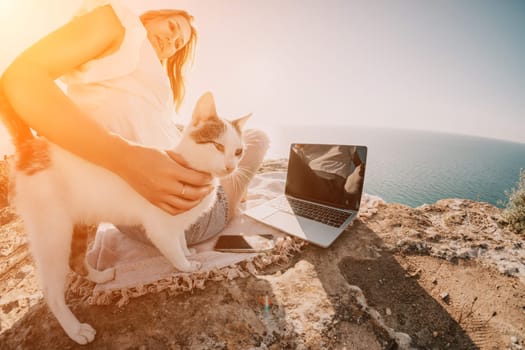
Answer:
(328, 174)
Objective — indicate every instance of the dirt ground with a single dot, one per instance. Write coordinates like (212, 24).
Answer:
(372, 289)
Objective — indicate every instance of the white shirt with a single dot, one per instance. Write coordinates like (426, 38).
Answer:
(128, 91)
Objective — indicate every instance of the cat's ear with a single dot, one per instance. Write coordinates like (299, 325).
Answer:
(204, 109)
(239, 123)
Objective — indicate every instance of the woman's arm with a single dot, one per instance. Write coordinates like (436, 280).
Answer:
(29, 86)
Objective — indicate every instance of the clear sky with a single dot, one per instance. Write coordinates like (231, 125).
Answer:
(448, 65)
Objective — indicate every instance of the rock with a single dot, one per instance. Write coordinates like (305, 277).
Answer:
(332, 296)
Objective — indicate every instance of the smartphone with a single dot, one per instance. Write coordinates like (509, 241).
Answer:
(245, 243)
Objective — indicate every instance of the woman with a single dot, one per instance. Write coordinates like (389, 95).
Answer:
(117, 110)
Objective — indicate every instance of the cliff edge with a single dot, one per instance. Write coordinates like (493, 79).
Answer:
(448, 275)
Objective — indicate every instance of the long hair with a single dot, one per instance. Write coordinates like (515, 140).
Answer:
(176, 64)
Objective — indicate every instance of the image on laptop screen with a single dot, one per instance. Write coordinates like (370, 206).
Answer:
(327, 174)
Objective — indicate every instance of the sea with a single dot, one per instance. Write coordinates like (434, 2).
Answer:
(418, 167)
(415, 167)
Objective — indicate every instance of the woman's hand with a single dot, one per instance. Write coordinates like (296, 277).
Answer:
(163, 179)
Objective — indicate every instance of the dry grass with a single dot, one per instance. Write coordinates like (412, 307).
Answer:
(4, 183)
(514, 212)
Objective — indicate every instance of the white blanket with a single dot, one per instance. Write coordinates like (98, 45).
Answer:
(141, 268)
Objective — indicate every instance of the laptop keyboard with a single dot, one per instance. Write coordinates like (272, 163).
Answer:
(329, 216)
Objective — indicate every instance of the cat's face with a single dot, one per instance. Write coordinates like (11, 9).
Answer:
(216, 143)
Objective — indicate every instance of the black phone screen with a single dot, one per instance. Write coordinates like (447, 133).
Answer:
(239, 242)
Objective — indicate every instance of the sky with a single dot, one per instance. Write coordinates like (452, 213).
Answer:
(446, 65)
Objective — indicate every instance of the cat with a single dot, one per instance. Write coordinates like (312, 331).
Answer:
(54, 191)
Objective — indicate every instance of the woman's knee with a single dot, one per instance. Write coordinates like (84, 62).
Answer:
(257, 138)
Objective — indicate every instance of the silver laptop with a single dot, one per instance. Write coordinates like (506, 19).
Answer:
(324, 184)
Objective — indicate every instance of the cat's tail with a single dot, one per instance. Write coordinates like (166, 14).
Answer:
(18, 130)
(32, 153)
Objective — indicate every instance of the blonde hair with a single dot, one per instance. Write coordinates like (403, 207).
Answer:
(175, 64)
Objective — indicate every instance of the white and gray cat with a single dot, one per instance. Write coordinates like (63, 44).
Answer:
(56, 190)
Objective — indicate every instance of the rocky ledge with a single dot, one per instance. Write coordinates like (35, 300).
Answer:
(444, 276)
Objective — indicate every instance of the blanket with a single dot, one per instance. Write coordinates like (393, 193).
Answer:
(141, 268)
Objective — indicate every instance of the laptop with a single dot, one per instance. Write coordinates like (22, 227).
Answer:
(324, 184)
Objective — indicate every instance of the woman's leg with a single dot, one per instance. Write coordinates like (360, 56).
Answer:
(235, 185)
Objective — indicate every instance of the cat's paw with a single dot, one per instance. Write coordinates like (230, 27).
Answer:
(191, 251)
(195, 265)
(82, 333)
(190, 266)
(101, 276)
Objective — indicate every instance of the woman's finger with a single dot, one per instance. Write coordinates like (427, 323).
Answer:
(193, 193)
(178, 203)
(188, 175)
(168, 208)
(174, 205)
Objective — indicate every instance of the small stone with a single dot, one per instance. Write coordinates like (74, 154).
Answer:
(514, 339)
(388, 311)
(435, 334)
(444, 296)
